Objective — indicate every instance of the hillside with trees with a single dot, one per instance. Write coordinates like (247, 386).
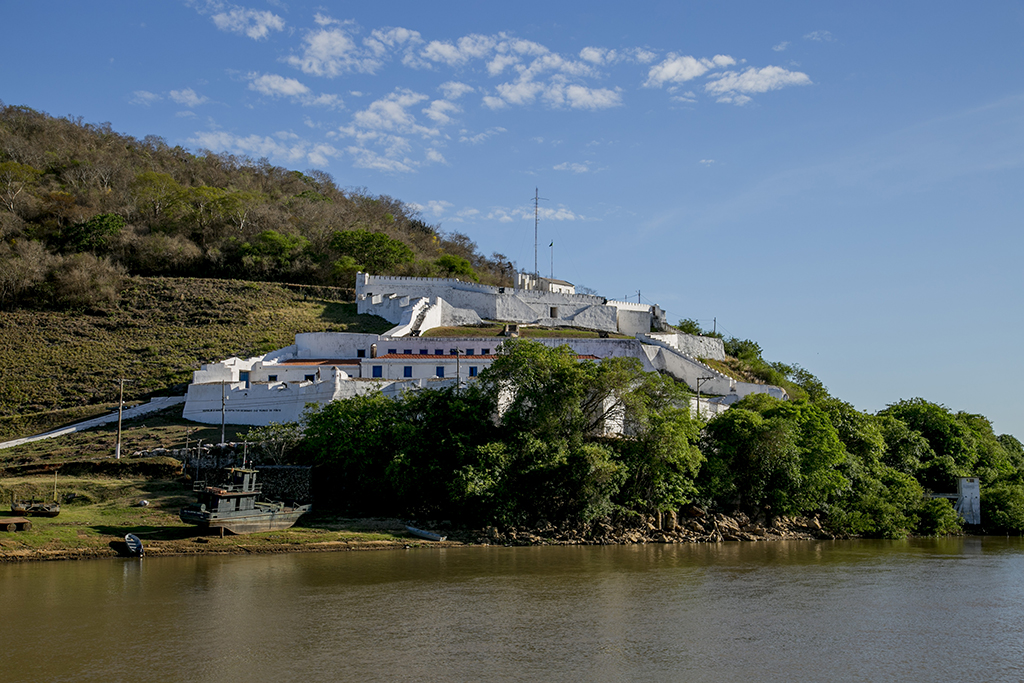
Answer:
(81, 206)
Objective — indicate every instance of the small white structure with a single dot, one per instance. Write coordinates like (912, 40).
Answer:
(968, 502)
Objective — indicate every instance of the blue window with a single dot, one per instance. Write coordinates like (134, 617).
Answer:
(485, 351)
(440, 371)
(472, 371)
(423, 352)
(469, 352)
(407, 371)
(438, 352)
(407, 351)
(378, 370)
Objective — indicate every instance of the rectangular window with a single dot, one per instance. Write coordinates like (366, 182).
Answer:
(310, 378)
(407, 371)
(453, 352)
(271, 378)
(392, 351)
(440, 371)
(243, 376)
(554, 311)
(423, 352)
(438, 352)
(485, 352)
(472, 371)
(378, 370)
(361, 353)
(469, 352)
(407, 352)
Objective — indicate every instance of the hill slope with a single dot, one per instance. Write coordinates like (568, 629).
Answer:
(56, 367)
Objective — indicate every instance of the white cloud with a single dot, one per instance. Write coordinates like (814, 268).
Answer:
(574, 167)
(253, 23)
(331, 52)
(492, 102)
(820, 36)
(707, 162)
(453, 90)
(498, 64)
(500, 215)
(559, 214)
(391, 114)
(284, 146)
(734, 87)
(187, 97)
(473, 46)
(366, 158)
(595, 55)
(579, 97)
(434, 156)
(434, 208)
(440, 111)
(679, 69)
(480, 137)
(144, 97)
(381, 40)
(781, 46)
(276, 86)
(468, 213)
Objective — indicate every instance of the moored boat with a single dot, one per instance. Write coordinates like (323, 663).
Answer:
(134, 544)
(234, 506)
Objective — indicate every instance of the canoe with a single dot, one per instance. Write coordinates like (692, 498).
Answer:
(134, 545)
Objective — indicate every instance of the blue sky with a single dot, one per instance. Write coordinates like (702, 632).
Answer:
(840, 182)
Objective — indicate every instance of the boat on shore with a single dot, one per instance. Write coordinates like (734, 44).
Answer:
(235, 507)
(35, 508)
(134, 544)
(428, 535)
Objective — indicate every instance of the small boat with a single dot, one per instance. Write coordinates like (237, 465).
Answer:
(35, 508)
(234, 506)
(428, 535)
(134, 544)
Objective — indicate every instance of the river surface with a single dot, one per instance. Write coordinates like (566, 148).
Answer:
(918, 610)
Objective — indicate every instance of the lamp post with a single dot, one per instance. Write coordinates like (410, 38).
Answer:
(701, 380)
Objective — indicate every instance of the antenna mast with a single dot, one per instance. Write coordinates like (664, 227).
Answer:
(536, 222)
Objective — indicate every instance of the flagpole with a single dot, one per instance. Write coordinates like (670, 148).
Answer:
(552, 245)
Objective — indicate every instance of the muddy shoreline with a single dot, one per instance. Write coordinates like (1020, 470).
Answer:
(634, 529)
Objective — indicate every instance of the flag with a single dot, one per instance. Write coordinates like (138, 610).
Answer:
(552, 244)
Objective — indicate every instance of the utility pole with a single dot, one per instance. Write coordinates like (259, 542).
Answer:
(701, 380)
(120, 413)
(223, 410)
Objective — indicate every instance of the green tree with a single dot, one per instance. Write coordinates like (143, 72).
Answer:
(94, 235)
(455, 266)
(376, 252)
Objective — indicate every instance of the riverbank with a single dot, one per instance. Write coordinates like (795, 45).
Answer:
(82, 536)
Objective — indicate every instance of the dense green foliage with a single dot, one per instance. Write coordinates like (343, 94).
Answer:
(142, 207)
(543, 456)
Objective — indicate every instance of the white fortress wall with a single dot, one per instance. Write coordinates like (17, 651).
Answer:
(691, 344)
(224, 371)
(333, 344)
(596, 318)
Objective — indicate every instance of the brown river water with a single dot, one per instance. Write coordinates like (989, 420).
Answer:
(918, 610)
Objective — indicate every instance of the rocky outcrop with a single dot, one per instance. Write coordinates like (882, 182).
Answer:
(694, 527)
